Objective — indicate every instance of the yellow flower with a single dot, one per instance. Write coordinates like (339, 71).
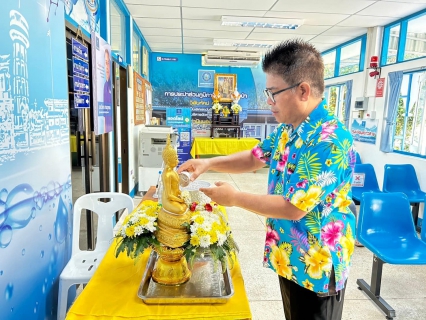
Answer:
(299, 143)
(281, 262)
(317, 260)
(130, 231)
(143, 221)
(199, 219)
(201, 232)
(308, 285)
(281, 230)
(328, 162)
(213, 237)
(328, 199)
(195, 240)
(348, 245)
(342, 202)
(306, 201)
(283, 141)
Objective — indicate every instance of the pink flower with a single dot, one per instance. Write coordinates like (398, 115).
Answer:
(301, 184)
(271, 237)
(280, 166)
(331, 234)
(327, 129)
(285, 155)
(291, 189)
(258, 153)
(293, 156)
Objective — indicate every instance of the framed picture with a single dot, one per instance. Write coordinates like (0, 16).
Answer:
(225, 84)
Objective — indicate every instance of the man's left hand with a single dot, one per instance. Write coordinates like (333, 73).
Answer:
(224, 194)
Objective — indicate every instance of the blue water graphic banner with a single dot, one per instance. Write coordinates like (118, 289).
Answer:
(180, 120)
(85, 13)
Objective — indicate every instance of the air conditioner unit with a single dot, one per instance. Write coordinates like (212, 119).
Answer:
(231, 58)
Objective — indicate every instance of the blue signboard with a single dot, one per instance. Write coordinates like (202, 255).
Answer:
(80, 67)
(180, 120)
(81, 84)
(81, 101)
(80, 50)
(172, 59)
(205, 78)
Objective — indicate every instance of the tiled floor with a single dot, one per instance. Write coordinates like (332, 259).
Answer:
(403, 287)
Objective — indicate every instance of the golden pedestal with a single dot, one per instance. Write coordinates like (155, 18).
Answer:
(171, 267)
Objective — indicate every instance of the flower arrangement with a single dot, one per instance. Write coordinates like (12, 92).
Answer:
(208, 229)
(217, 107)
(236, 108)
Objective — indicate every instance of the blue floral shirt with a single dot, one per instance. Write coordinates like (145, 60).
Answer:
(311, 167)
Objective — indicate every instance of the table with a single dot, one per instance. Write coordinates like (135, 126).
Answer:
(112, 294)
(221, 146)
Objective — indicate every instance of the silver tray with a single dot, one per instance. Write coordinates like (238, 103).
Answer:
(207, 285)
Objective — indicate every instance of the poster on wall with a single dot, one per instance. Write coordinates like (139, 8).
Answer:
(180, 120)
(102, 86)
(86, 13)
(364, 130)
(35, 190)
(139, 100)
(380, 87)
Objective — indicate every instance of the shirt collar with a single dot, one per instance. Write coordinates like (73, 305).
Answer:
(305, 129)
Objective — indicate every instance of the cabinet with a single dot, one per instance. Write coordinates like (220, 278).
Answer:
(225, 127)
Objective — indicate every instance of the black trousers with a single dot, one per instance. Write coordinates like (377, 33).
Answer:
(303, 304)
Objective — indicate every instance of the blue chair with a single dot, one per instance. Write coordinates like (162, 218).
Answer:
(370, 184)
(403, 178)
(358, 158)
(385, 227)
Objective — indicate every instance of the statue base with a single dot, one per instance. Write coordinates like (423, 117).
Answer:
(171, 268)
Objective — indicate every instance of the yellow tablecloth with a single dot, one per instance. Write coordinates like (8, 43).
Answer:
(221, 146)
(112, 294)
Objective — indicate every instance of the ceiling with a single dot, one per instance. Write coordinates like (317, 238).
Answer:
(189, 26)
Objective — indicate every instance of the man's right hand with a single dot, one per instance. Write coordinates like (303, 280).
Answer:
(195, 167)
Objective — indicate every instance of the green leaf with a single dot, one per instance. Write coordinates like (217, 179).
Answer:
(308, 166)
(313, 221)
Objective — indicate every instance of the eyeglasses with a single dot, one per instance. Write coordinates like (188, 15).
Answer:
(269, 94)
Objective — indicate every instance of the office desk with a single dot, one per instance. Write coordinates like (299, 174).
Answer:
(221, 146)
(112, 294)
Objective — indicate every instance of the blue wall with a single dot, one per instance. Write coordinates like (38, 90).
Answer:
(35, 193)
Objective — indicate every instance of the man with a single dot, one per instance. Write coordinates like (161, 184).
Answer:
(310, 229)
(108, 93)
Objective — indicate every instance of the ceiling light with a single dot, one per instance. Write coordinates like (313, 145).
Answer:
(258, 22)
(243, 43)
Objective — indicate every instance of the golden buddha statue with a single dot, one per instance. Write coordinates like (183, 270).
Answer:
(171, 267)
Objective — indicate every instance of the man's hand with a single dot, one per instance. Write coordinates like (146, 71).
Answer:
(195, 167)
(223, 194)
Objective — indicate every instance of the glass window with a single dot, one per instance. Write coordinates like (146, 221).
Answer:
(136, 56)
(329, 64)
(118, 30)
(410, 135)
(415, 44)
(335, 97)
(350, 56)
(393, 44)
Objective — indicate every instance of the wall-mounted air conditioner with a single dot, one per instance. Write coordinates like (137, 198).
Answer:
(231, 58)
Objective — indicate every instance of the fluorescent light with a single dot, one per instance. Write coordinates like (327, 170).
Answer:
(258, 22)
(243, 43)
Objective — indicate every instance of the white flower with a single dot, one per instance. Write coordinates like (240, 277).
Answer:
(221, 238)
(205, 241)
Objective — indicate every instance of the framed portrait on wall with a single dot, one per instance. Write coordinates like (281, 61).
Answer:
(225, 84)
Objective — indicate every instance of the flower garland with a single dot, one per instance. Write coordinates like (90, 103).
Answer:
(236, 108)
(217, 107)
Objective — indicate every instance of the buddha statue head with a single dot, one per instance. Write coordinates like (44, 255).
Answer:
(170, 156)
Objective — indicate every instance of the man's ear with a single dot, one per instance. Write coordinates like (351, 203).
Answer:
(304, 91)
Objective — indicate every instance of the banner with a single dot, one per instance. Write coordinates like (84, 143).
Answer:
(85, 13)
(364, 130)
(102, 85)
(139, 98)
(180, 120)
(380, 87)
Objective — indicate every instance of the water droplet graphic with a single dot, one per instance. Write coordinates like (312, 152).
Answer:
(40, 228)
(5, 236)
(38, 199)
(1, 272)
(51, 190)
(33, 213)
(42, 254)
(58, 188)
(8, 292)
(3, 212)
(43, 193)
(50, 236)
(61, 223)
(19, 215)
(3, 195)
(69, 182)
(23, 252)
(18, 194)
(53, 205)
(11, 309)
(43, 288)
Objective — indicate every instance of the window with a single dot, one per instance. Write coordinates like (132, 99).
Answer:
(404, 40)
(345, 59)
(329, 64)
(335, 96)
(136, 50)
(118, 30)
(410, 135)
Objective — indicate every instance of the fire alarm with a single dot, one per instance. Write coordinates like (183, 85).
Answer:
(374, 62)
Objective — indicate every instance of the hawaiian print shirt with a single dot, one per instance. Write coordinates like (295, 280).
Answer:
(311, 167)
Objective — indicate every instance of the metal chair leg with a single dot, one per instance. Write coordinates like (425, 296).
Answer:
(373, 292)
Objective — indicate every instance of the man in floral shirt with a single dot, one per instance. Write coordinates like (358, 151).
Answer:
(310, 229)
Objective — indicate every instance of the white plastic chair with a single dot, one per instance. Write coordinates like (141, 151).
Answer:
(83, 264)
